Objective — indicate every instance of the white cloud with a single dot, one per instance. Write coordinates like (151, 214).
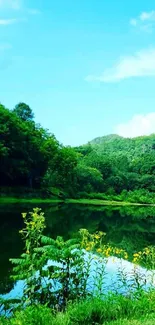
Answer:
(139, 125)
(6, 22)
(147, 15)
(145, 21)
(13, 4)
(141, 64)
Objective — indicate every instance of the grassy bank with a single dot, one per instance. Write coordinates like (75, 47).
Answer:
(55, 195)
(143, 321)
(105, 202)
(97, 202)
(112, 310)
(4, 200)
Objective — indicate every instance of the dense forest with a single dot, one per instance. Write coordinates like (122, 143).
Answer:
(111, 167)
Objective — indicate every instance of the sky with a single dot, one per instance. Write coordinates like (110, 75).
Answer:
(85, 67)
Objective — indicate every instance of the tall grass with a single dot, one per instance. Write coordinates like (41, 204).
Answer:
(113, 310)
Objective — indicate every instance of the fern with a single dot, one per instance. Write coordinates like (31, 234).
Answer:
(47, 241)
(17, 261)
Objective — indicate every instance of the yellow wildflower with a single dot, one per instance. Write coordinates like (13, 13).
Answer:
(96, 236)
(126, 255)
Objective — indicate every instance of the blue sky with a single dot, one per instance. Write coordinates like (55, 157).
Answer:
(86, 68)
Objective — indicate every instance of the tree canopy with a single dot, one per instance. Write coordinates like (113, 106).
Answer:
(24, 111)
(32, 157)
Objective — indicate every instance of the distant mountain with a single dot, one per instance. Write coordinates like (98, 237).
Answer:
(114, 143)
(106, 138)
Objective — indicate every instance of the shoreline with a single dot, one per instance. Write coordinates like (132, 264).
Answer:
(96, 202)
(106, 202)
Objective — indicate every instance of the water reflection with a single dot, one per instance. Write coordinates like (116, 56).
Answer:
(130, 228)
(112, 277)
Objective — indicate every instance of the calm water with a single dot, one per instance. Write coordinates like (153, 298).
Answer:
(131, 228)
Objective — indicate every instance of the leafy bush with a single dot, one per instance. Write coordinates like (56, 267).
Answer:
(99, 196)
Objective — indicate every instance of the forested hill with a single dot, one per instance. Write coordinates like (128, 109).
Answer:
(127, 165)
(130, 146)
(109, 167)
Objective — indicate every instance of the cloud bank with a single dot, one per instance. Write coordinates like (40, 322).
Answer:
(141, 64)
(142, 124)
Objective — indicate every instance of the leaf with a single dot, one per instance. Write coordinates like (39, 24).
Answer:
(16, 260)
(47, 241)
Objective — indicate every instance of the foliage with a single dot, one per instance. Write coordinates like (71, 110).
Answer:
(53, 270)
(125, 164)
(56, 276)
(30, 262)
(57, 271)
(32, 158)
(25, 150)
(24, 112)
(113, 310)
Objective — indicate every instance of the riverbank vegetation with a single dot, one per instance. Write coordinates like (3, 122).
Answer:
(114, 310)
(59, 285)
(34, 164)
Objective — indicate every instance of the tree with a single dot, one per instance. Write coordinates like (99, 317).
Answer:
(88, 178)
(99, 162)
(24, 111)
(32, 157)
(25, 151)
(61, 171)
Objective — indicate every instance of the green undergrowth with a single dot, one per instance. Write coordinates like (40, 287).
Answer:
(144, 321)
(112, 310)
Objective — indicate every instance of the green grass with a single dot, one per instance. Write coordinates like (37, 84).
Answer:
(28, 200)
(144, 321)
(105, 202)
(97, 202)
(112, 310)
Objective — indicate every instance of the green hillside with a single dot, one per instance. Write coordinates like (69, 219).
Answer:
(130, 146)
(34, 163)
(126, 164)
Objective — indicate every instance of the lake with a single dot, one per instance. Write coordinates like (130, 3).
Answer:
(130, 228)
